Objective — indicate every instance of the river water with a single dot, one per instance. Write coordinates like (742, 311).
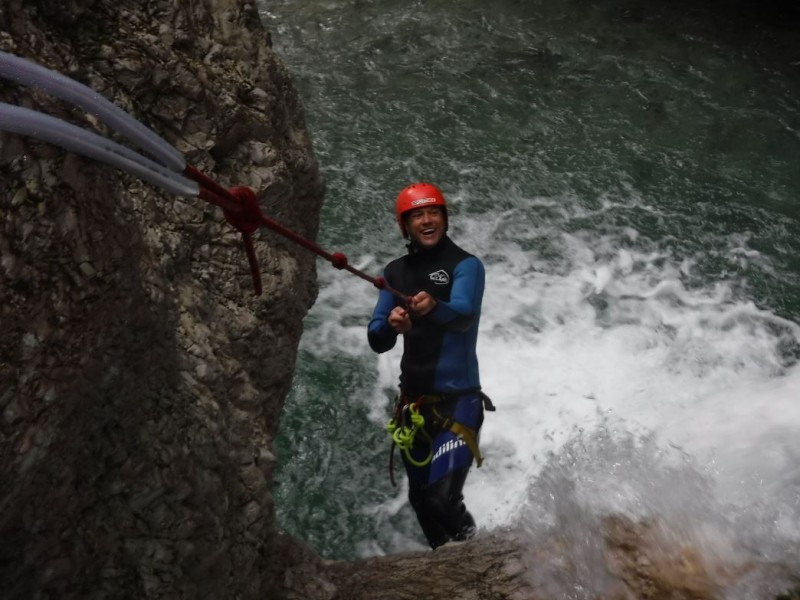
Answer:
(629, 177)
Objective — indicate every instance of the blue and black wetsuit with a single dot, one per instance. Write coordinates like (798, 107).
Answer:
(439, 359)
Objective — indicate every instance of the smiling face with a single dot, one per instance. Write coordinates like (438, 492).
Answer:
(425, 226)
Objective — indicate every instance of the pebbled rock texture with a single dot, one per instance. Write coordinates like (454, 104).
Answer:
(140, 379)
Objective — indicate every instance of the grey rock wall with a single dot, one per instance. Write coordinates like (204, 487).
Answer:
(140, 380)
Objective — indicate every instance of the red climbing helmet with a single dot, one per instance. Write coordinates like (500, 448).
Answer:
(418, 195)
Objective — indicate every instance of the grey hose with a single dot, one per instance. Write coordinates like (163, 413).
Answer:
(28, 73)
(17, 119)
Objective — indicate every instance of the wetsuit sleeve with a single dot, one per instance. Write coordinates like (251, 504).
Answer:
(381, 335)
(466, 296)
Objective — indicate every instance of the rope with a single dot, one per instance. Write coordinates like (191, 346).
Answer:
(168, 171)
(241, 209)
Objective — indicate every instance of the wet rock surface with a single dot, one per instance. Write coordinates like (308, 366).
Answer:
(140, 379)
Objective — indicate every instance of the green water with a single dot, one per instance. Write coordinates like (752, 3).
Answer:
(669, 131)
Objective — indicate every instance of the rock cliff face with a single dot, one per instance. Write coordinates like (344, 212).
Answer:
(140, 379)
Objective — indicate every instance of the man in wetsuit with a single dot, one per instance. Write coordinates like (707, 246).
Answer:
(439, 369)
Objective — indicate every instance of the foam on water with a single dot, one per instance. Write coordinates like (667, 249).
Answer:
(623, 343)
(611, 343)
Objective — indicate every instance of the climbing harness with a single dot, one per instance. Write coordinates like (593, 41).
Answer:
(407, 422)
(167, 169)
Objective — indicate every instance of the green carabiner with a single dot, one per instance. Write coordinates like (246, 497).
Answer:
(403, 435)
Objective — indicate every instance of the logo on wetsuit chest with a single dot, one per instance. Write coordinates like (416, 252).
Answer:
(440, 277)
